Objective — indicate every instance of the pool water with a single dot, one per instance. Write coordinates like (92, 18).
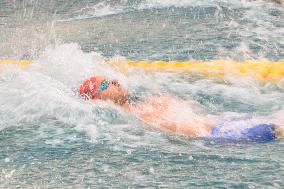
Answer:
(50, 138)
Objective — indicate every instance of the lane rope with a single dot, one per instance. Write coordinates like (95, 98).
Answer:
(263, 70)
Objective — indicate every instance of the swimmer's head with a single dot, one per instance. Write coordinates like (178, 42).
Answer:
(98, 87)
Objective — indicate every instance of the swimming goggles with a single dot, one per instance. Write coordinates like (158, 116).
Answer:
(104, 86)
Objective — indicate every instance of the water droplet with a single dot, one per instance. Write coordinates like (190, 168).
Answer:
(7, 160)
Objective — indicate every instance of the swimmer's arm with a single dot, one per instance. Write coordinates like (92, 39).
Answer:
(187, 130)
(160, 122)
(169, 126)
(153, 112)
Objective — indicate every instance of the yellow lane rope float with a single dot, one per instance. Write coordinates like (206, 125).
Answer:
(21, 63)
(263, 70)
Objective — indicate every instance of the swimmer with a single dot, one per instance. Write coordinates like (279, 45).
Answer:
(158, 113)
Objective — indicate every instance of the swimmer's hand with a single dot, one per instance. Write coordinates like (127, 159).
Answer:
(278, 131)
(278, 122)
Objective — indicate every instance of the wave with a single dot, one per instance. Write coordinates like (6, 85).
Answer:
(107, 8)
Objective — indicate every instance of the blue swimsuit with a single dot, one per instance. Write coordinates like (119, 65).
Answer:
(243, 129)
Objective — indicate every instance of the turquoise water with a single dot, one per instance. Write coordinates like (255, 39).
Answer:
(52, 139)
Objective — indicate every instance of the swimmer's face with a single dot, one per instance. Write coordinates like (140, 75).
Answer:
(114, 92)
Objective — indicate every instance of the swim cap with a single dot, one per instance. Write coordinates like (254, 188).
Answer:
(88, 88)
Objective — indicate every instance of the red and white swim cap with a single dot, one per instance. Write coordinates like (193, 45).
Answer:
(88, 88)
